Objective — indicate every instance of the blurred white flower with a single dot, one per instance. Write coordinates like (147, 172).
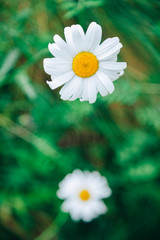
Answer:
(83, 65)
(83, 193)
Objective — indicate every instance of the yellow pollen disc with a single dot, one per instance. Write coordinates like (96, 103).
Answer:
(85, 64)
(84, 195)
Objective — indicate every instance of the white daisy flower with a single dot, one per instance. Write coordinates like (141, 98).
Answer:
(83, 65)
(82, 193)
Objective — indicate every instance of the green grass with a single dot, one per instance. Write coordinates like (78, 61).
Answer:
(42, 138)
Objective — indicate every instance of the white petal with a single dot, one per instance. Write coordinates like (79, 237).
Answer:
(114, 58)
(57, 63)
(106, 45)
(65, 91)
(66, 206)
(85, 96)
(113, 65)
(92, 210)
(98, 186)
(68, 35)
(118, 75)
(93, 36)
(92, 92)
(100, 87)
(63, 45)
(109, 53)
(100, 207)
(76, 211)
(54, 64)
(57, 72)
(78, 89)
(55, 51)
(81, 38)
(88, 214)
(121, 73)
(72, 89)
(112, 74)
(80, 30)
(57, 82)
(75, 215)
(106, 81)
(75, 37)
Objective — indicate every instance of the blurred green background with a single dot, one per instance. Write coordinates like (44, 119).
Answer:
(43, 138)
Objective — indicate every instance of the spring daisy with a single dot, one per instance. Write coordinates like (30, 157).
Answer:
(82, 65)
(82, 193)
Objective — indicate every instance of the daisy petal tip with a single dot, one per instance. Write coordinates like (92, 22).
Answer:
(63, 98)
(57, 194)
(64, 209)
(110, 193)
(50, 48)
(121, 73)
(50, 84)
(96, 24)
(66, 29)
(92, 101)
(44, 61)
(57, 38)
(45, 65)
(112, 90)
(92, 23)
(105, 210)
(120, 45)
(116, 39)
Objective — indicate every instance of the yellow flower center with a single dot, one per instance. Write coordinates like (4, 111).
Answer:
(84, 195)
(85, 64)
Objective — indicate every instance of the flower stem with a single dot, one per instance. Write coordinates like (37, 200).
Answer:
(53, 228)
